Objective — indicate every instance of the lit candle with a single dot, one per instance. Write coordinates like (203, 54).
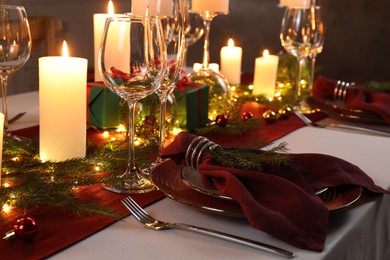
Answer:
(266, 69)
(218, 6)
(62, 106)
(156, 8)
(213, 66)
(231, 62)
(13, 50)
(1, 141)
(99, 21)
(294, 3)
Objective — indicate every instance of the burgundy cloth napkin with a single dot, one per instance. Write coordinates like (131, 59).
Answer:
(278, 200)
(376, 102)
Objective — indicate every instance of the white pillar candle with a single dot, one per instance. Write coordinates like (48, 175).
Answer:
(218, 6)
(99, 21)
(231, 62)
(1, 141)
(213, 66)
(266, 69)
(156, 8)
(294, 3)
(62, 107)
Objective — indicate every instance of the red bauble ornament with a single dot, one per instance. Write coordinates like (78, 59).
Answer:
(222, 120)
(246, 115)
(26, 229)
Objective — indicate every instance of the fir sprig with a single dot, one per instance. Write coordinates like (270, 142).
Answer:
(33, 183)
(252, 159)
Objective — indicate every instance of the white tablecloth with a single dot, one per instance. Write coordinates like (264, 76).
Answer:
(360, 232)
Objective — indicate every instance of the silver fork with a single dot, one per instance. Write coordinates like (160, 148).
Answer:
(340, 93)
(148, 221)
(307, 121)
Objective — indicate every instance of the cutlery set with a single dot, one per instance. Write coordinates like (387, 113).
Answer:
(150, 222)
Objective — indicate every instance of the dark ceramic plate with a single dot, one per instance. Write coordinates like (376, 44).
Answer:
(167, 178)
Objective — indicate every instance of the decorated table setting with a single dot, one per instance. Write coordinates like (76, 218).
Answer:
(241, 154)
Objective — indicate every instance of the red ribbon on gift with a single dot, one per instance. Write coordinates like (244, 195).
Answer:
(185, 82)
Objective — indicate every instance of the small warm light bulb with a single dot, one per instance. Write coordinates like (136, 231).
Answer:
(230, 43)
(106, 134)
(250, 87)
(265, 53)
(6, 185)
(65, 51)
(98, 168)
(110, 7)
(176, 131)
(6, 208)
(121, 128)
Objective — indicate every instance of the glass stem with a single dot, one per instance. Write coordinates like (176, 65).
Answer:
(4, 84)
(131, 162)
(298, 92)
(163, 112)
(312, 68)
(206, 53)
(185, 51)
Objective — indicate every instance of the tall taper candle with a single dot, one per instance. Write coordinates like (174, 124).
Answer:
(62, 107)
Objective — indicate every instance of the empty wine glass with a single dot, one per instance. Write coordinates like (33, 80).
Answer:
(301, 32)
(132, 62)
(320, 6)
(194, 29)
(171, 13)
(218, 85)
(15, 48)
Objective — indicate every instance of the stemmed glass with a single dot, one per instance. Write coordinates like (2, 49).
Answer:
(301, 32)
(320, 6)
(194, 29)
(173, 27)
(15, 48)
(132, 62)
(218, 84)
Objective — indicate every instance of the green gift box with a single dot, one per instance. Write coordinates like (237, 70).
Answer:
(193, 105)
(103, 106)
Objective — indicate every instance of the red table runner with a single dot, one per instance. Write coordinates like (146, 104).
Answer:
(59, 229)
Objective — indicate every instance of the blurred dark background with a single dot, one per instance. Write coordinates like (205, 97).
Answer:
(356, 45)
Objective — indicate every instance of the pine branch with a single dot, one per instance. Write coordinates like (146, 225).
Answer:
(252, 159)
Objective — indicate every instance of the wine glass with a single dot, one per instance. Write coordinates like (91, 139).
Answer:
(320, 6)
(301, 32)
(218, 84)
(173, 23)
(15, 48)
(194, 29)
(132, 62)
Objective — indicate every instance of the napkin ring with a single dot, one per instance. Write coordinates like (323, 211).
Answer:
(196, 149)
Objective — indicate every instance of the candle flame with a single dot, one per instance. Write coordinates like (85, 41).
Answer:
(110, 7)
(265, 53)
(65, 51)
(230, 42)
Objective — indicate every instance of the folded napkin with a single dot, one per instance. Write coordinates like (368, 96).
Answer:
(374, 101)
(278, 200)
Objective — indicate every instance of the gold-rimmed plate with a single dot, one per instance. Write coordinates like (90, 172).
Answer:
(167, 178)
(192, 178)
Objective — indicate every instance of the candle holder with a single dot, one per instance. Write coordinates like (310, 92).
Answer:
(218, 84)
